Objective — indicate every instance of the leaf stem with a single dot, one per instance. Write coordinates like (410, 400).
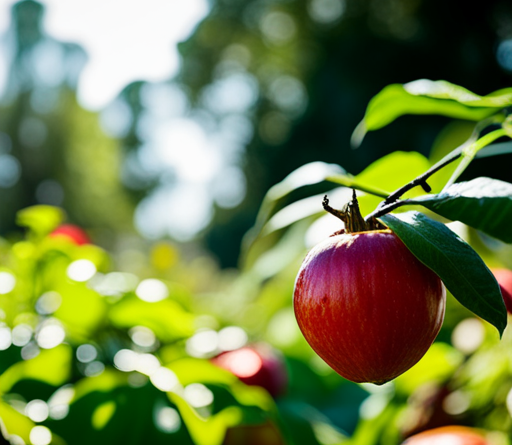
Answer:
(467, 151)
(348, 182)
(470, 151)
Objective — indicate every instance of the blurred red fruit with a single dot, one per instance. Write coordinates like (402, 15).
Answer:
(256, 365)
(448, 435)
(504, 278)
(72, 233)
(426, 411)
(263, 434)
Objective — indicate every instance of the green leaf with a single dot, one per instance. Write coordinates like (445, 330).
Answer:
(460, 268)
(389, 172)
(52, 366)
(482, 203)
(469, 152)
(15, 423)
(210, 430)
(82, 309)
(166, 318)
(40, 219)
(428, 97)
(437, 365)
(192, 370)
(309, 174)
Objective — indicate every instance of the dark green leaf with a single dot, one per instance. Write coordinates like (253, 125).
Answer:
(483, 203)
(428, 97)
(463, 272)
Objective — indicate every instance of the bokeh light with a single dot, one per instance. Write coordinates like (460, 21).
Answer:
(468, 335)
(5, 338)
(198, 395)
(203, 344)
(278, 27)
(30, 351)
(40, 435)
(142, 336)
(50, 335)
(326, 11)
(152, 290)
(59, 402)
(165, 380)
(7, 282)
(167, 419)
(21, 334)
(81, 270)
(94, 369)
(86, 353)
(48, 303)
(37, 410)
(244, 363)
(231, 338)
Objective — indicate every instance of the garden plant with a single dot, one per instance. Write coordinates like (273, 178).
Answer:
(89, 354)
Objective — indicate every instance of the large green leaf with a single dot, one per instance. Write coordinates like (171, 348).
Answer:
(389, 173)
(15, 423)
(463, 272)
(482, 203)
(307, 175)
(428, 97)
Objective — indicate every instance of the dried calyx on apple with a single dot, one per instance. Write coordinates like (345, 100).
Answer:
(365, 304)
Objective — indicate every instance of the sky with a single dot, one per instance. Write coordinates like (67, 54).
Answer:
(133, 42)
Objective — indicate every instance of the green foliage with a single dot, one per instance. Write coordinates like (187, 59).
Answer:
(142, 335)
(482, 203)
(460, 268)
(429, 97)
(40, 220)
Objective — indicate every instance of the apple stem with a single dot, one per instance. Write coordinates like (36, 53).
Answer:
(351, 216)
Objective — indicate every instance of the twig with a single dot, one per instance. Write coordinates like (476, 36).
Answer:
(448, 159)
(392, 201)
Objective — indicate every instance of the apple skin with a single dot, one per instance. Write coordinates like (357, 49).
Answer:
(72, 233)
(448, 435)
(258, 365)
(504, 279)
(367, 306)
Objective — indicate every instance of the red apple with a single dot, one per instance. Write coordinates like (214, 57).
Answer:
(504, 278)
(448, 435)
(258, 365)
(72, 233)
(367, 306)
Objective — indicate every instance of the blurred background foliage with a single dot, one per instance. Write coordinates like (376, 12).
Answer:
(116, 347)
